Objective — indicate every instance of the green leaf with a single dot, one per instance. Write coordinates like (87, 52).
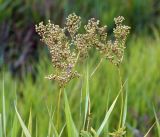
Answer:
(4, 111)
(30, 122)
(107, 116)
(1, 135)
(157, 122)
(25, 130)
(72, 131)
(51, 124)
(49, 129)
(15, 127)
(125, 108)
(87, 98)
(36, 128)
(146, 135)
(62, 130)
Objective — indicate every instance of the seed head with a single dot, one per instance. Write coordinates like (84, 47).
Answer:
(73, 23)
(114, 50)
(62, 58)
(65, 50)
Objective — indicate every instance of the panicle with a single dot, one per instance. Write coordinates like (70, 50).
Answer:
(73, 23)
(63, 58)
(65, 50)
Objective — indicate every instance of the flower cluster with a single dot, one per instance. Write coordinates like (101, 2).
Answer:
(66, 49)
(62, 57)
(118, 133)
(97, 36)
(73, 23)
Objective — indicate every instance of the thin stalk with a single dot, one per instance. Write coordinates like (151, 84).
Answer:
(122, 105)
(58, 109)
(96, 68)
(89, 114)
(81, 102)
(77, 58)
(150, 129)
(36, 128)
(4, 109)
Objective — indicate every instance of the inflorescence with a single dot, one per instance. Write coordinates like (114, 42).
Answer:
(66, 50)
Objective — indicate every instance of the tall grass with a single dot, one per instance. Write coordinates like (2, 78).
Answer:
(140, 68)
(52, 131)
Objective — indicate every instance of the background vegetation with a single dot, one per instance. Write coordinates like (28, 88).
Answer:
(24, 63)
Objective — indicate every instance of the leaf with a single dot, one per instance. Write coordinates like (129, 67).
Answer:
(15, 127)
(72, 131)
(30, 122)
(146, 135)
(36, 128)
(62, 130)
(107, 116)
(49, 129)
(4, 111)
(87, 99)
(157, 122)
(25, 130)
(1, 135)
(125, 109)
(51, 124)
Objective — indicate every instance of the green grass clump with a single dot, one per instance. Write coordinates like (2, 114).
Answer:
(140, 68)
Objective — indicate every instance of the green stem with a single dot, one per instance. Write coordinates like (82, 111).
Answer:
(58, 109)
(93, 72)
(122, 105)
(77, 58)
(89, 114)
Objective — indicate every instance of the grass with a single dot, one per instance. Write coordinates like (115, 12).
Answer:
(140, 69)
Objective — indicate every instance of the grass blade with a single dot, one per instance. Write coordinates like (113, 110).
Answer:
(62, 130)
(1, 132)
(14, 127)
(157, 122)
(36, 128)
(146, 135)
(51, 124)
(4, 111)
(30, 122)
(72, 131)
(125, 108)
(25, 130)
(107, 116)
(87, 99)
(49, 129)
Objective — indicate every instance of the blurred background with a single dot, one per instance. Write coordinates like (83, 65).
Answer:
(24, 61)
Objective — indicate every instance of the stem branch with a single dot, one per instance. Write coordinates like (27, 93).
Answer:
(96, 67)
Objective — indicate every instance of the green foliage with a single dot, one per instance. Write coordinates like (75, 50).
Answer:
(140, 68)
(1, 135)
(107, 116)
(25, 130)
(157, 123)
(72, 131)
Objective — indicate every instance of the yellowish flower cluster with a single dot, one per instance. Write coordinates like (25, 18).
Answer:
(64, 58)
(73, 23)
